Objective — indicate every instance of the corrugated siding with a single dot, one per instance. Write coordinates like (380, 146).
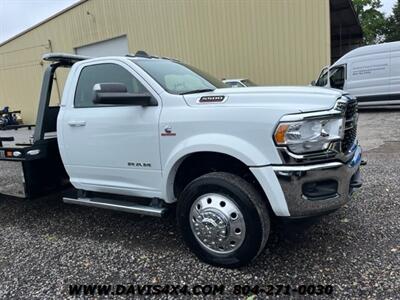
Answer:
(270, 41)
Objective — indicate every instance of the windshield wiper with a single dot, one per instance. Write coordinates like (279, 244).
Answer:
(197, 91)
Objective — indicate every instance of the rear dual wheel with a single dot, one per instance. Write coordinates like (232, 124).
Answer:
(223, 219)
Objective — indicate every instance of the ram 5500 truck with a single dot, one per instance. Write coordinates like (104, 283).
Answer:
(140, 133)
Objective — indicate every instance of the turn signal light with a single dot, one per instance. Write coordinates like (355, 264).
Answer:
(280, 134)
(9, 153)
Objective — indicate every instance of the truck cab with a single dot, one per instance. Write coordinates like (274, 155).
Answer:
(148, 135)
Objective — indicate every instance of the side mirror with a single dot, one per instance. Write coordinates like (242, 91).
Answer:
(313, 83)
(117, 94)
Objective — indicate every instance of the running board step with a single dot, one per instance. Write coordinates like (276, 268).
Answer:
(118, 205)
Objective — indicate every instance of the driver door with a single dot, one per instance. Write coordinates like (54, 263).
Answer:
(111, 148)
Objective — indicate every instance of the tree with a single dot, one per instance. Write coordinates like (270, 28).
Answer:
(392, 32)
(372, 20)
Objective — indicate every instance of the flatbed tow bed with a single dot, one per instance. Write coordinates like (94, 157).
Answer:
(34, 167)
(16, 127)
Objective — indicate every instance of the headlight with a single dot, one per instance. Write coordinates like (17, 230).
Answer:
(309, 135)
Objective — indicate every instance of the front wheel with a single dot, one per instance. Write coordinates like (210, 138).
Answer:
(223, 219)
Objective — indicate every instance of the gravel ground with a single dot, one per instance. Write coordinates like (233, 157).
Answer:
(46, 245)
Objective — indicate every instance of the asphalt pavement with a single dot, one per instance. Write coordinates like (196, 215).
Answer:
(46, 245)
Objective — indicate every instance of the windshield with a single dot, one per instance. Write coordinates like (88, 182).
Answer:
(178, 78)
(323, 78)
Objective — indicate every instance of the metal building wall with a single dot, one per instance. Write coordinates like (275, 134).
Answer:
(272, 42)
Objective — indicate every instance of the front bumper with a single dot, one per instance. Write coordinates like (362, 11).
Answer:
(316, 189)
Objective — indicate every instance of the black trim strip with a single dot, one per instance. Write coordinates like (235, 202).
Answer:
(384, 97)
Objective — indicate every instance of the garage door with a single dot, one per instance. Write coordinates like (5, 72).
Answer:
(115, 46)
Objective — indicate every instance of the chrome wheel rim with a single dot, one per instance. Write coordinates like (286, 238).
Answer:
(217, 223)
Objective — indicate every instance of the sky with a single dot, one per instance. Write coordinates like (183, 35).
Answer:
(387, 6)
(18, 15)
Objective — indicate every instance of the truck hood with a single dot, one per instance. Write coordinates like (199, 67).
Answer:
(296, 99)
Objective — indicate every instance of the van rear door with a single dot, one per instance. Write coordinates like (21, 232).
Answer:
(395, 73)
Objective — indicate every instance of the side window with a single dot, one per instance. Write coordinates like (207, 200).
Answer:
(337, 77)
(103, 73)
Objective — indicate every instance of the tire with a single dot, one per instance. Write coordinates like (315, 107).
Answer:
(239, 229)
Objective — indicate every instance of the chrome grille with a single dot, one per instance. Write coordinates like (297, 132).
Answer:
(350, 134)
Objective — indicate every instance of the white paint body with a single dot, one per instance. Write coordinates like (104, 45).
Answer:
(97, 143)
(371, 73)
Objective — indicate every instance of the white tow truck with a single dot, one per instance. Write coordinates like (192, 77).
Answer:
(141, 133)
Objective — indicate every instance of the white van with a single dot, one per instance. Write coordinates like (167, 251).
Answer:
(370, 73)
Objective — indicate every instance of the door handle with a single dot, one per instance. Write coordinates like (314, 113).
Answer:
(77, 123)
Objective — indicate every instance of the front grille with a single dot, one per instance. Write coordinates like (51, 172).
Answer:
(350, 133)
(351, 109)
